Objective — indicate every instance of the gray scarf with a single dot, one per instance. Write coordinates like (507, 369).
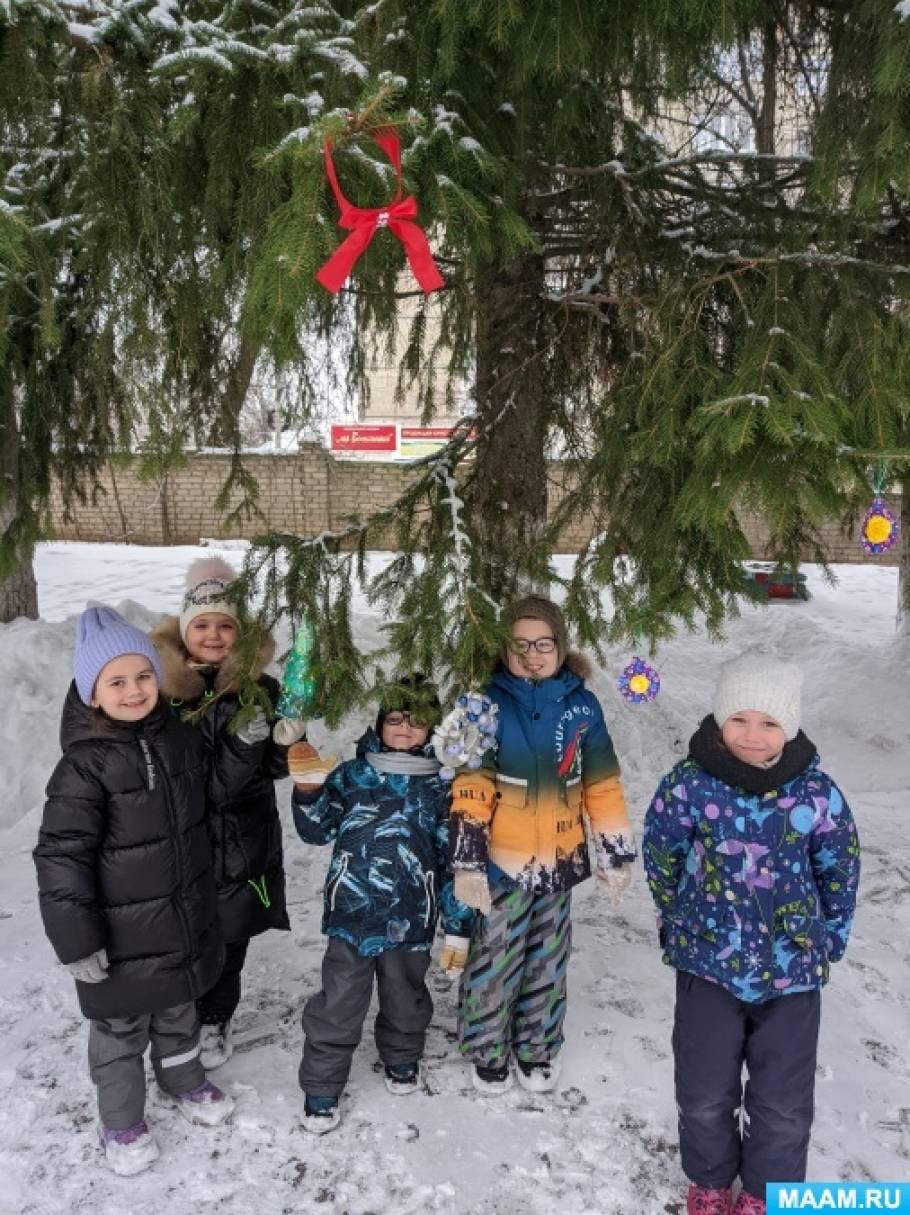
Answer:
(402, 763)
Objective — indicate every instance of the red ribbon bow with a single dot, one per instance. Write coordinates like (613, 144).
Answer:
(397, 216)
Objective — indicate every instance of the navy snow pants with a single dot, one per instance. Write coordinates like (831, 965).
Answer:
(714, 1034)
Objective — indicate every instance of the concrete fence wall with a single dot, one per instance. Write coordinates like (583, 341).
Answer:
(305, 493)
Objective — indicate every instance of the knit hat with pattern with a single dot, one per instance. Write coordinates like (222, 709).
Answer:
(207, 581)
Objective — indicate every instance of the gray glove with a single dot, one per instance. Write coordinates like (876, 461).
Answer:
(92, 969)
(255, 730)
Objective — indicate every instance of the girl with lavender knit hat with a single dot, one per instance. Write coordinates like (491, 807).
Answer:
(126, 887)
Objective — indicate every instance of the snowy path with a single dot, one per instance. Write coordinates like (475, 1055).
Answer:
(607, 1143)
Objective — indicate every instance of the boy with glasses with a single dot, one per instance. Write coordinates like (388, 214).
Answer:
(519, 845)
(387, 813)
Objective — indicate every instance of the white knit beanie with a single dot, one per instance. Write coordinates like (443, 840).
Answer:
(757, 680)
(207, 581)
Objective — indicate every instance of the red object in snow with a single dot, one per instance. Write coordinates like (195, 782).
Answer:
(398, 216)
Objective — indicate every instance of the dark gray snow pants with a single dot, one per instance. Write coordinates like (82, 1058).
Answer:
(333, 1019)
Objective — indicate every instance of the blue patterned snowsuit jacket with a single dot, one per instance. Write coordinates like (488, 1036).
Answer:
(387, 882)
(755, 892)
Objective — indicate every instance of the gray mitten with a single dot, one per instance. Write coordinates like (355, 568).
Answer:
(255, 730)
(92, 969)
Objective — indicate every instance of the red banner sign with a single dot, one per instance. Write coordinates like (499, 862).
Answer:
(364, 438)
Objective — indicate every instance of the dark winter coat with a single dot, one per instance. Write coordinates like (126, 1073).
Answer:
(754, 871)
(387, 881)
(243, 817)
(521, 818)
(124, 862)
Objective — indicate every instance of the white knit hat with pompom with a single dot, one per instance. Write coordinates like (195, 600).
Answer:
(207, 581)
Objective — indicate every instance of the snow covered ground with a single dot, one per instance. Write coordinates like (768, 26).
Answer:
(607, 1142)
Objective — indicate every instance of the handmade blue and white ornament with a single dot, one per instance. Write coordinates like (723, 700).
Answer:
(463, 736)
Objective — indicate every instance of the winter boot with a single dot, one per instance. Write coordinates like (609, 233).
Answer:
(491, 1081)
(215, 1045)
(402, 1078)
(748, 1204)
(537, 1077)
(320, 1114)
(130, 1151)
(704, 1201)
(206, 1105)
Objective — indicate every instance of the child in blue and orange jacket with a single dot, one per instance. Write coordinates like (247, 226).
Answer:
(752, 857)
(519, 846)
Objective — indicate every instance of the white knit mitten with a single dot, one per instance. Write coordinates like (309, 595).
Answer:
(472, 888)
(288, 730)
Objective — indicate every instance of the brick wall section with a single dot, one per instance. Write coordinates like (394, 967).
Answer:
(307, 493)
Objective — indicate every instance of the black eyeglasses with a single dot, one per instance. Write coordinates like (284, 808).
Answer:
(543, 645)
(397, 719)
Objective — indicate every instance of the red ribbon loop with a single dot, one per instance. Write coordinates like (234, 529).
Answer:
(398, 216)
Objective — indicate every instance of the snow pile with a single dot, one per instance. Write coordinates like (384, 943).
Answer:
(607, 1142)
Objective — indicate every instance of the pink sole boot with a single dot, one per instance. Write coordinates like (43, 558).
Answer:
(702, 1201)
(747, 1204)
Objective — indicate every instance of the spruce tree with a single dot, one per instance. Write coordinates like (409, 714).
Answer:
(694, 335)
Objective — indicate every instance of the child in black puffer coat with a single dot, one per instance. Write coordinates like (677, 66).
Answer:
(201, 680)
(126, 886)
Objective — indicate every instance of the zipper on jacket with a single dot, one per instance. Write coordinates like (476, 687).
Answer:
(342, 870)
(177, 903)
(429, 893)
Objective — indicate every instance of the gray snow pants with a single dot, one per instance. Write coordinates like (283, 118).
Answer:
(333, 1019)
(115, 1058)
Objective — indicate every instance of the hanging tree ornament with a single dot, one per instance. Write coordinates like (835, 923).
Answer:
(880, 529)
(638, 682)
(464, 736)
(398, 216)
(300, 691)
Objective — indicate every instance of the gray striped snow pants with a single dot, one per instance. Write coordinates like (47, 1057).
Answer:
(513, 992)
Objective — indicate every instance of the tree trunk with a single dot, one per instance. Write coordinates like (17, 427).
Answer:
(509, 491)
(767, 117)
(19, 594)
(903, 577)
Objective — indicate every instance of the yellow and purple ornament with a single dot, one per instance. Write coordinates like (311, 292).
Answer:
(638, 682)
(880, 529)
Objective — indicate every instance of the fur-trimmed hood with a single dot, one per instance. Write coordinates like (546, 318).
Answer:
(183, 682)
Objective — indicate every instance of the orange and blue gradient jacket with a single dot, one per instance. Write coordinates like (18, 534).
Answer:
(521, 818)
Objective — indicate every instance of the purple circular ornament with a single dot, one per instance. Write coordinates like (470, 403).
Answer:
(638, 682)
(880, 529)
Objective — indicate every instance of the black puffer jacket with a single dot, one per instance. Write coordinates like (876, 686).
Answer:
(124, 862)
(243, 820)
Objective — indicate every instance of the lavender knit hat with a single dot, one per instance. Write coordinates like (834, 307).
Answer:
(101, 636)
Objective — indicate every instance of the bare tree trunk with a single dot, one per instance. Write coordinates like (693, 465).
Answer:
(903, 577)
(19, 593)
(510, 483)
(767, 117)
